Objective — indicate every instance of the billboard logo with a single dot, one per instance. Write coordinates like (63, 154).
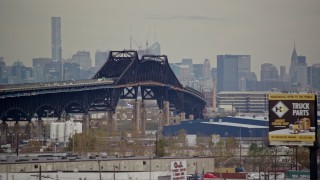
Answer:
(280, 109)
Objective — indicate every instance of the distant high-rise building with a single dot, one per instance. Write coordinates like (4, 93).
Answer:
(214, 73)
(185, 77)
(100, 58)
(207, 70)
(56, 38)
(38, 66)
(3, 72)
(19, 73)
(202, 74)
(298, 69)
(71, 71)
(207, 78)
(189, 63)
(283, 74)
(269, 72)
(52, 71)
(56, 46)
(313, 76)
(232, 71)
(227, 73)
(83, 59)
(198, 71)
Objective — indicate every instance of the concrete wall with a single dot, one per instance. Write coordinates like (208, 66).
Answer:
(118, 165)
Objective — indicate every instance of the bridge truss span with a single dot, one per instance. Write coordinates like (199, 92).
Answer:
(123, 76)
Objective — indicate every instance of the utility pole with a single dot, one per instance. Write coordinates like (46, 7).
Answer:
(156, 152)
(240, 146)
(40, 172)
(114, 172)
(38, 166)
(99, 170)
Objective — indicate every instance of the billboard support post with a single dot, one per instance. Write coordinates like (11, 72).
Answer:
(313, 152)
(313, 163)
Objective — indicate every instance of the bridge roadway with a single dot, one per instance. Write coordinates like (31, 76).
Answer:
(30, 89)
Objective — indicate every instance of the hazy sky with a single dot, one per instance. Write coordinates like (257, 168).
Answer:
(196, 29)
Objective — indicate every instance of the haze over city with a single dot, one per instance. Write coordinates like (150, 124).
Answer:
(266, 30)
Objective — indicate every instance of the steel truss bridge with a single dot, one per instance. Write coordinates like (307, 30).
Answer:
(123, 76)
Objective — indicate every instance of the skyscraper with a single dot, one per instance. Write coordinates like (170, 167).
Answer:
(207, 78)
(3, 72)
(313, 76)
(232, 71)
(38, 65)
(269, 72)
(83, 59)
(100, 58)
(298, 69)
(56, 38)
(283, 74)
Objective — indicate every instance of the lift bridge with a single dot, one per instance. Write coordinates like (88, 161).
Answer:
(121, 77)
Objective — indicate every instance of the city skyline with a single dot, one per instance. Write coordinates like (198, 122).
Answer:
(265, 30)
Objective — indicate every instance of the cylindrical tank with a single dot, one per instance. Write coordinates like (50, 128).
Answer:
(53, 131)
(78, 127)
(60, 131)
(68, 130)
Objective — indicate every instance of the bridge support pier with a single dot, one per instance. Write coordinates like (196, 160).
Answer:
(111, 122)
(28, 130)
(165, 114)
(143, 117)
(39, 127)
(4, 132)
(16, 130)
(85, 122)
(136, 116)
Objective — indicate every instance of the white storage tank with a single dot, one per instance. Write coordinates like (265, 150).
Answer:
(60, 131)
(53, 131)
(78, 127)
(68, 130)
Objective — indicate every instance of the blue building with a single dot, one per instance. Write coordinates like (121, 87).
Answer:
(244, 127)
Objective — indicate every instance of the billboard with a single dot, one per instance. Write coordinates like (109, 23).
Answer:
(178, 170)
(292, 119)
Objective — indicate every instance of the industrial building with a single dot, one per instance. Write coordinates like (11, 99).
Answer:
(245, 127)
(244, 101)
(256, 127)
